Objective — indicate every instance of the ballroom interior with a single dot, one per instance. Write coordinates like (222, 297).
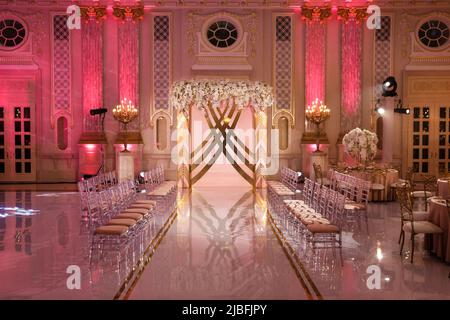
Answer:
(225, 150)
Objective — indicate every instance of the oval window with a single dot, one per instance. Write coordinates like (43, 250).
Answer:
(62, 132)
(161, 133)
(283, 127)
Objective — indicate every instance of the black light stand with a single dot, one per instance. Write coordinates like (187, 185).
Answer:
(101, 112)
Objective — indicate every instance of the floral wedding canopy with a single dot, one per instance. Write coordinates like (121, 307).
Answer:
(200, 93)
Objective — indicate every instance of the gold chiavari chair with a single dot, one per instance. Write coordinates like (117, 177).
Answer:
(378, 179)
(318, 175)
(408, 223)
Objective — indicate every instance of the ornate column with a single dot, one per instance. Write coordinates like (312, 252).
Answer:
(315, 69)
(351, 66)
(351, 52)
(91, 146)
(129, 54)
(128, 42)
(92, 64)
(315, 48)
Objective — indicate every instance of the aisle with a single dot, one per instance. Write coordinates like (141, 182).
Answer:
(220, 246)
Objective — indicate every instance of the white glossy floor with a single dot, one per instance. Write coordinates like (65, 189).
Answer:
(221, 245)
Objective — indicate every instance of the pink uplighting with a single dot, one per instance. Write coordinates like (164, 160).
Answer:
(92, 57)
(128, 60)
(351, 66)
(91, 147)
(315, 61)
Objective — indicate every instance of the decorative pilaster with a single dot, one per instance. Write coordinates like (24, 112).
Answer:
(283, 66)
(315, 55)
(92, 64)
(351, 113)
(129, 54)
(162, 67)
(61, 70)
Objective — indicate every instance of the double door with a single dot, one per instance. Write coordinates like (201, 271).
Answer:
(17, 142)
(429, 142)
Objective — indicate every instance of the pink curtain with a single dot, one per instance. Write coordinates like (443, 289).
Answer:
(315, 61)
(351, 75)
(92, 58)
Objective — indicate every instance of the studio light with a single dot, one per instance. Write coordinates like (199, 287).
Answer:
(98, 111)
(389, 87)
(380, 110)
(401, 109)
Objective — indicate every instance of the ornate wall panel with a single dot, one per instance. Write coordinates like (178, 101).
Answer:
(282, 68)
(162, 66)
(61, 69)
(383, 54)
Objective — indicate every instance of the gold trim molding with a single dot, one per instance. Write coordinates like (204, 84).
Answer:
(352, 14)
(316, 13)
(93, 13)
(128, 13)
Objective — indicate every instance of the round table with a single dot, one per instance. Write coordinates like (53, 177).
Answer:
(443, 190)
(438, 215)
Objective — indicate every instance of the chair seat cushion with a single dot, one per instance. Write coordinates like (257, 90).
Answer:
(158, 192)
(112, 230)
(314, 220)
(322, 228)
(421, 194)
(354, 206)
(121, 222)
(377, 186)
(272, 183)
(141, 211)
(422, 227)
(420, 215)
(153, 202)
(142, 206)
(399, 183)
(285, 193)
(129, 215)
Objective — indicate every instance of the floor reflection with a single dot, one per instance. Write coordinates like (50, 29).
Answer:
(219, 248)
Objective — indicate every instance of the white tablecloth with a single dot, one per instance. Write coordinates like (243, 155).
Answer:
(438, 215)
(443, 187)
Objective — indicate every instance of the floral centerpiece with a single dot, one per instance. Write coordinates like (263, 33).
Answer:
(217, 92)
(361, 145)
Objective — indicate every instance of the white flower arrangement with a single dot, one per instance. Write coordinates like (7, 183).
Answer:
(361, 144)
(217, 92)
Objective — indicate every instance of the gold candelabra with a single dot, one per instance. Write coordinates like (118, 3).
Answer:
(317, 113)
(125, 112)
